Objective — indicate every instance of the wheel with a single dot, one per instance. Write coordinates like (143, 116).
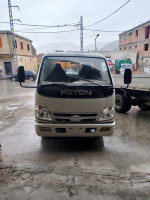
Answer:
(122, 104)
(13, 79)
(128, 104)
(143, 107)
(31, 79)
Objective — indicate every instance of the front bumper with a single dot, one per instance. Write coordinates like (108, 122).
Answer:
(74, 130)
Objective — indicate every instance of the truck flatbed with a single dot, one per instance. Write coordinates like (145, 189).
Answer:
(139, 82)
(137, 94)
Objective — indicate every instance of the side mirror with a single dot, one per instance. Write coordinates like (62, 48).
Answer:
(21, 74)
(127, 76)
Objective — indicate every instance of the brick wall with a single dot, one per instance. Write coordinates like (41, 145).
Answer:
(135, 40)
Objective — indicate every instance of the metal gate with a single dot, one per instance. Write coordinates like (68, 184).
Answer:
(8, 68)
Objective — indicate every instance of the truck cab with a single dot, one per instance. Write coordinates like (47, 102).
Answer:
(74, 96)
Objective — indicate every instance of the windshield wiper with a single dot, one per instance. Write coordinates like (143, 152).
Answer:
(53, 84)
(84, 79)
(88, 80)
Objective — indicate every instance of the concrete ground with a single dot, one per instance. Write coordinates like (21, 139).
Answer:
(31, 168)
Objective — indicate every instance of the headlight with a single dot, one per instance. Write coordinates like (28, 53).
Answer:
(106, 114)
(42, 113)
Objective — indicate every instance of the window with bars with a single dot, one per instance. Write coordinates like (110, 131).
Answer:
(21, 44)
(147, 30)
(136, 33)
(146, 47)
(28, 47)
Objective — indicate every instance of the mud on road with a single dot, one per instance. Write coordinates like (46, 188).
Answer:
(72, 168)
(32, 182)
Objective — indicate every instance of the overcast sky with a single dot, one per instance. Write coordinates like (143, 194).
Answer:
(57, 12)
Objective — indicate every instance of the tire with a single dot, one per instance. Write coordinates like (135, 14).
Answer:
(128, 104)
(31, 79)
(122, 104)
(13, 79)
(143, 107)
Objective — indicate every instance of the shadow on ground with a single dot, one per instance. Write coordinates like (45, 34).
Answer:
(72, 144)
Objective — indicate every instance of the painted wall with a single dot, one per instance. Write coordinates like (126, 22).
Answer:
(25, 56)
(5, 41)
(29, 62)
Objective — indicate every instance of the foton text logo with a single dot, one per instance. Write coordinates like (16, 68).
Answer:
(76, 92)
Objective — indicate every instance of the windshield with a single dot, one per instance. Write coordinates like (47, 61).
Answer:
(74, 71)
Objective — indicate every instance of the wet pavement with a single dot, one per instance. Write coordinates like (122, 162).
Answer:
(70, 168)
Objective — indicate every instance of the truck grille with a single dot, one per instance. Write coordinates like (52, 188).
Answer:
(74, 118)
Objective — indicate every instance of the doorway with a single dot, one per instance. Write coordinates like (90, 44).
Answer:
(8, 68)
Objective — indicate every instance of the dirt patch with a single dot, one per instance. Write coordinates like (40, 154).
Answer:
(72, 181)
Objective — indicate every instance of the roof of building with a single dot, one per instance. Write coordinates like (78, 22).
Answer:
(9, 32)
(70, 54)
(148, 22)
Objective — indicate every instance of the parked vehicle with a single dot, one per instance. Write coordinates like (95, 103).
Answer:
(137, 94)
(111, 65)
(125, 98)
(29, 75)
(125, 66)
(74, 96)
(119, 62)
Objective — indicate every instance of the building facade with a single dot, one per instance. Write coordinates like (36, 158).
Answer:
(39, 58)
(137, 39)
(26, 54)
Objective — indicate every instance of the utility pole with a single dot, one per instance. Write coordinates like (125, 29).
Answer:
(81, 33)
(95, 42)
(14, 53)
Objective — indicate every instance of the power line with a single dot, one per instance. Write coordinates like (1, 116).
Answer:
(45, 26)
(39, 28)
(109, 15)
(67, 25)
(46, 32)
(103, 31)
(29, 29)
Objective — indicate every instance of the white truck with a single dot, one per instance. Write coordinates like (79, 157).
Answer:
(74, 96)
(137, 94)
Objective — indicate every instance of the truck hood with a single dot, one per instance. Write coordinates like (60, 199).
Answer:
(63, 105)
(75, 105)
